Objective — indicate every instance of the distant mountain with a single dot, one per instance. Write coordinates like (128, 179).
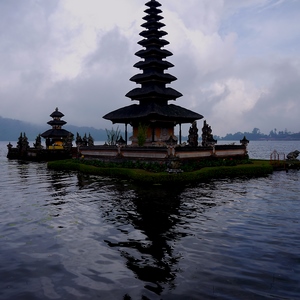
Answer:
(10, 130)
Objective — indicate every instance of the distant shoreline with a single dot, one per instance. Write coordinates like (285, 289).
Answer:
(15, 139)
(264, 139)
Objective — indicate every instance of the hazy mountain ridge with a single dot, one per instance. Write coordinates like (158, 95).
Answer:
(10, 130)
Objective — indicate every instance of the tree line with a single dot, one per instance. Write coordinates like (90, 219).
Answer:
(256, 134)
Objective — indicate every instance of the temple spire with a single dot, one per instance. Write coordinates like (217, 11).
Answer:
(153, 78)
(153, 111)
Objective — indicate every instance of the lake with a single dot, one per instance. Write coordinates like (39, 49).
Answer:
(72, 236)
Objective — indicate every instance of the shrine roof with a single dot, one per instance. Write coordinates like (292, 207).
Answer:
(155, 93)
(169, 112)
(57, 114)
(55, 133)
(57, 122)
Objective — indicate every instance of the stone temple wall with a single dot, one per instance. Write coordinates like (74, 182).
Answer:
(162, 153)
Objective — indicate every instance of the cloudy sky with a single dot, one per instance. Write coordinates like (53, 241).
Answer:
(237, 62)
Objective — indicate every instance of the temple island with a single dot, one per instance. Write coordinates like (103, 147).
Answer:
(58, 143)
(152, 119)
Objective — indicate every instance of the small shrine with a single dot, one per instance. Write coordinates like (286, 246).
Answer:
(57, 137)
(58, 143)
(207, 136)
(153, 119)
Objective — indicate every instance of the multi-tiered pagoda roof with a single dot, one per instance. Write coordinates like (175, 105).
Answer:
(153, 94)
(56, 123)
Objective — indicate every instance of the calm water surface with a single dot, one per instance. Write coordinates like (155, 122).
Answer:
(69, 236)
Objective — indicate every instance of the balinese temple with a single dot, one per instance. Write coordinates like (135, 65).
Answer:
(56, 136)
(153, 112)
(58, 143)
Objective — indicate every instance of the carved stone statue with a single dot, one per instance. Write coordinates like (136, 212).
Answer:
(84, 140)
(68, 141)
(19, 143)
(173, 140)
(25, 144)
(9, 146)
(38, 142)
(121, 141)
(207, 136)
(244, 141)
(90, 141)
(78, 140)
(293, 155)
(22, 143)
(193, 135)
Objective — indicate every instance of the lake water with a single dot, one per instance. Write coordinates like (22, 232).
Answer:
(72, 236)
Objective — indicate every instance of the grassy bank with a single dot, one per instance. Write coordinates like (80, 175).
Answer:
(254, 169)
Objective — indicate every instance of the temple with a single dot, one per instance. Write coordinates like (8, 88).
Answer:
(153, 115)
(58, 143)
(153, 118)
(56, 136)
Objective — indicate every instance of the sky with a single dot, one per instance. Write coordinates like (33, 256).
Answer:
(237, 62)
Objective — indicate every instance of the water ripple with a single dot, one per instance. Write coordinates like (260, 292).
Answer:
(71, 236)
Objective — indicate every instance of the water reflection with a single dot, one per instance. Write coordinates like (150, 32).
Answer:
(150, 221)
(59, 184)
(150, 255)
(74, 236)
(57, 191)
(23, 170)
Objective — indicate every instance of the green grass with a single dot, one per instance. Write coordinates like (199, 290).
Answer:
(253, 168)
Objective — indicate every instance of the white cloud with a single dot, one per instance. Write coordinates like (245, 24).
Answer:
(229, 100)
(237, 62)
(197, 15)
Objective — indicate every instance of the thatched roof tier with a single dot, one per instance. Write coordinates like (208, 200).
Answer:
(153, 93)
(153, 11)
(152, 111)
(153, 17)
(55, 133)
(153, 63)
(153, 51)
(153, 33)
(153, 22)
(141, 78)
(153, 3)
(153, 41)
(57, 114)
(57, 122)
